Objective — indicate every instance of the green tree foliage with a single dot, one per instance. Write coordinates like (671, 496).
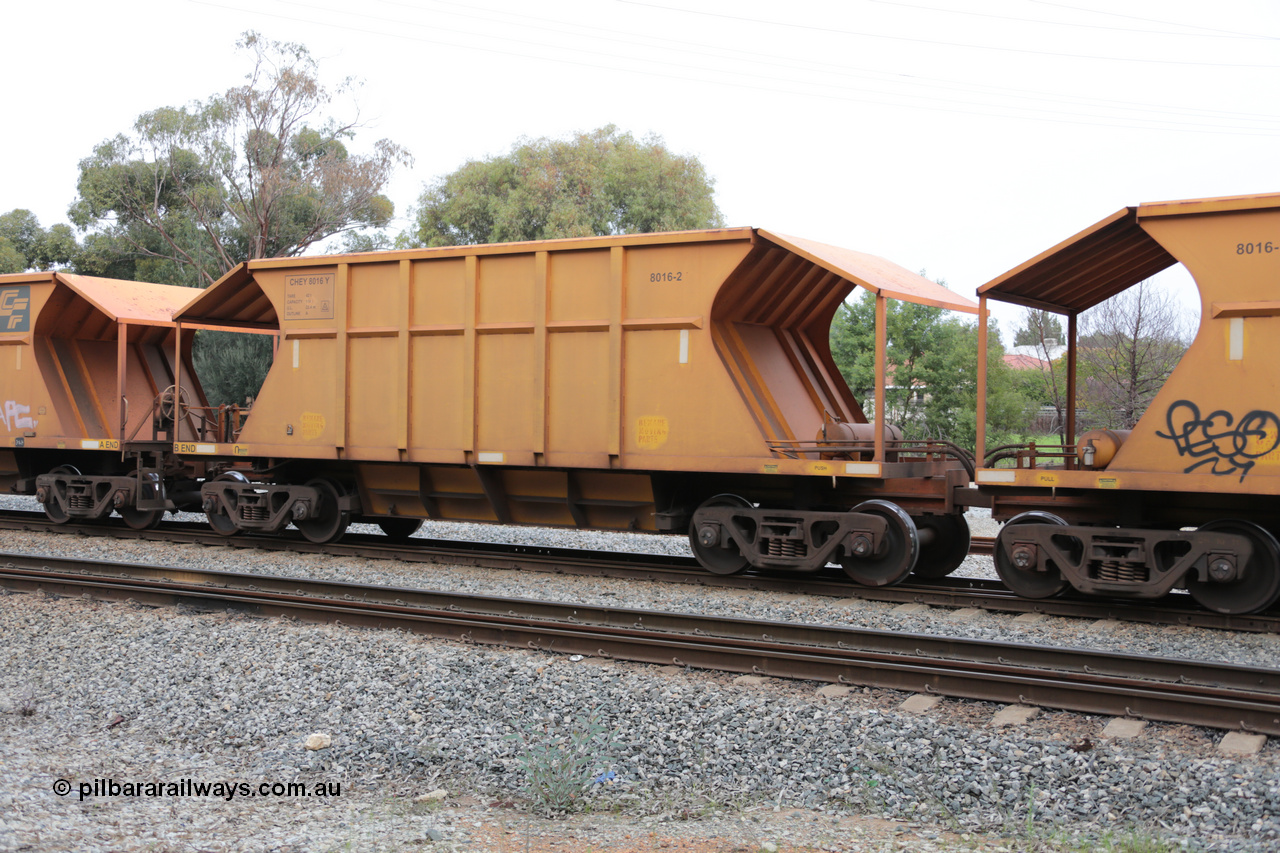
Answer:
(256, 172)
(231, 366)
(24, 245)
(1039, 327)
(259, 171)
(932, 359)
(598, 183)
(11, 259)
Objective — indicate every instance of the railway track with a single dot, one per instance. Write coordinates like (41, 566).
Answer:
(1175, 609)
(1087, 681)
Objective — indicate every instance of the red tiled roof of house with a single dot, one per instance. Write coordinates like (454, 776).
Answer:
(1024, 362)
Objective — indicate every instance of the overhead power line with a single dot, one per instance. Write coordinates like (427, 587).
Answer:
(1205, 33)
(1206, 30)
(941, 43)
(934, 97)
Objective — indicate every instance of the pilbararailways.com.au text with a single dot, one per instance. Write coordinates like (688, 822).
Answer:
(190, 788)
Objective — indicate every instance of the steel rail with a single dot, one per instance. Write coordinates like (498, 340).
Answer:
(1175, 609)
(1197, 693)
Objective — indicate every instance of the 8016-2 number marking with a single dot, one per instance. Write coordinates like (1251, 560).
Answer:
(666, 276)
(1255, 248)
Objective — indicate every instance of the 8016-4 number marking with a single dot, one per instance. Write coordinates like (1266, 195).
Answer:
(666, 276)
(1255, 248)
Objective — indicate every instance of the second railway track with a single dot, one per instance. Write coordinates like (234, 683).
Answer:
(1088, 681)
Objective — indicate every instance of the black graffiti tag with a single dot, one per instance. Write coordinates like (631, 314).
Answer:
(1213, 440)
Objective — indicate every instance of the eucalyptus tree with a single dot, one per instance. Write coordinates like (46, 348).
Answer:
(25, 245)
(262, 170)
(258, 171)
(593, 184)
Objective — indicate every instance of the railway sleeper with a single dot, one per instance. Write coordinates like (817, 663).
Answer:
(1130, 562)
(799, 540)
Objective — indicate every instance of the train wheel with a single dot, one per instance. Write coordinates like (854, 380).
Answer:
(898, 553)
(141, 519)
(327, 522)
(56, 512)
(943, 551)
(719, 559)
(1258, 585)
(1027, 584)
(399, 529)
(224, 525)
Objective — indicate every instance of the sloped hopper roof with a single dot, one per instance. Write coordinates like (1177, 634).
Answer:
(129, 300)
(234, 300)
(90, 308)
(1105, 258)
(1081, 271)
(876, 274)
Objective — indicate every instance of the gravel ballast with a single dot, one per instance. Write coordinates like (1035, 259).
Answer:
(119, 691)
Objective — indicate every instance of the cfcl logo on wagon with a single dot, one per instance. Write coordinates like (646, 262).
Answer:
(15, 309)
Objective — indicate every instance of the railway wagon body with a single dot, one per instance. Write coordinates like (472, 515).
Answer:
(88, 369)
(674, 382)
(1191, 496)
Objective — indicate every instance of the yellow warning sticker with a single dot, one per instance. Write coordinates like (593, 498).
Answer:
(1264, 446)
(312, 425)
(652, 431)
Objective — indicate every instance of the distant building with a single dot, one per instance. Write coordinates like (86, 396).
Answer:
(1024, 362)
(1033, 355)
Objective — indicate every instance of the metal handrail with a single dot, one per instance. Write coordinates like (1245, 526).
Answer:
(928, 447)
(1030, 452)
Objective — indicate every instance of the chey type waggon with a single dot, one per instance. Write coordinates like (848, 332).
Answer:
(668, 382)
(676, 383)
(1190, 497)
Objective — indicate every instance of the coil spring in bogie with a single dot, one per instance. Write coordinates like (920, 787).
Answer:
(787, 548)
(80, 501)
(1121, 573)
(252, 512)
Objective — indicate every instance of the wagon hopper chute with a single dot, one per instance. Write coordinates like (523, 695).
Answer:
(90, 407)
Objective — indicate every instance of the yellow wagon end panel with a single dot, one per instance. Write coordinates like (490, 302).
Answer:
(1219, 411)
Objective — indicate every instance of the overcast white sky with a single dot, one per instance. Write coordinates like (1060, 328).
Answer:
(959, 137)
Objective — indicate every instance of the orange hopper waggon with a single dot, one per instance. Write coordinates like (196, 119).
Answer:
(1191, 496)
(675, 382)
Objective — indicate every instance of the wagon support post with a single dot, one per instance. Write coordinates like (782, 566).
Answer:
(177, 375)
(122, 406)
(1069, 433)
(881, 345)
(980, 441)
